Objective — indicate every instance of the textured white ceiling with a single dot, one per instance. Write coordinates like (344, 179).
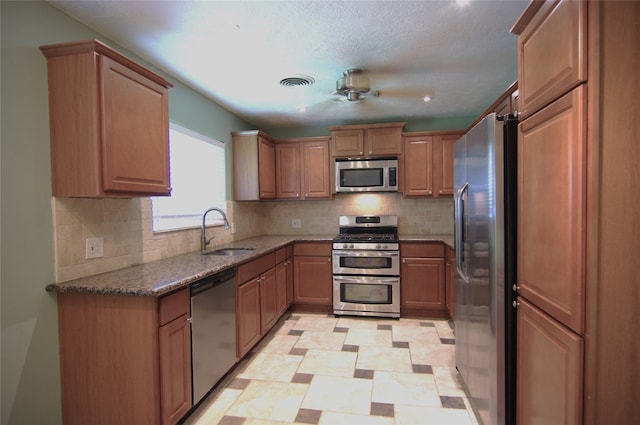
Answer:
(236, 53)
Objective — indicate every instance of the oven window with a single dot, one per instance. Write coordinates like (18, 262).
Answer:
(363, 293)
(362, 177)
(365, 262)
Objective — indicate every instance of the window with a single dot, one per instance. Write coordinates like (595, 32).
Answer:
(197, 165)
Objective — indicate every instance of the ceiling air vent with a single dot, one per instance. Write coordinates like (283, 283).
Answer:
(297, 81)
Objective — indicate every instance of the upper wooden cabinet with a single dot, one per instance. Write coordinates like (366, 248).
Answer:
(303, 168)
(254, 166)
(366, 140)
(552, 57)
(428, 163)
(580, 176)
(551, 242)
(109, 123)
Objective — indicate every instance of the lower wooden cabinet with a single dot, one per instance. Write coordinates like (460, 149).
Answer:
(255, 301)
(422, 289)
(268, 301)
(124, 359)
(174, 337)
(313, 275)
(247, 316)
(549, 369)
(284, 279)
(450, 282)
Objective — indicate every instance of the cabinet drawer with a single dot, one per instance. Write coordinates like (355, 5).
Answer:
(281, 254)
(552, 54)
(322, 249)
(422, 250)
(255, 267)
(174, 305)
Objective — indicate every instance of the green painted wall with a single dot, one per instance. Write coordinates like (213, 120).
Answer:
(30, 362)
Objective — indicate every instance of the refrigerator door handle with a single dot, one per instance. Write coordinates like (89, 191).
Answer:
(459, 228)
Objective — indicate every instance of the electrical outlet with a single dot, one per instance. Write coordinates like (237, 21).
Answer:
(296, 223)
(94, 248)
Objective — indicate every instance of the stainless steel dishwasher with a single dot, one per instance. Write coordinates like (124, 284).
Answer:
(213, 330)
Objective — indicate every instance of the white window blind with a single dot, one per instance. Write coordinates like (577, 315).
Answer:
(197, 166)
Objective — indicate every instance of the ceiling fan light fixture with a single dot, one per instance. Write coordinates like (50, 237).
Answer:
(353, 84)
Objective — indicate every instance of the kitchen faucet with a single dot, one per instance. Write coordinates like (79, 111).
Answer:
(206, 242)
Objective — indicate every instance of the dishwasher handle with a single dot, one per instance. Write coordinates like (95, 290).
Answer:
(212, 281)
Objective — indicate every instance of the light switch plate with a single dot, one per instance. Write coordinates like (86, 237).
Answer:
(94, 248)
(296, 223)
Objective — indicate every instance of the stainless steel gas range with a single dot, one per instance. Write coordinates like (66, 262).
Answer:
(366, 266)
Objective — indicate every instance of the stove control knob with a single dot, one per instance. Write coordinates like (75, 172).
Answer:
(378, 246)
(350, 246)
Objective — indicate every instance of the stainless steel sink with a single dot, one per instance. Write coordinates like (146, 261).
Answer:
(230, 251)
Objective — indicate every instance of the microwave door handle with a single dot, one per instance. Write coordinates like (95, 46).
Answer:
(460, 237)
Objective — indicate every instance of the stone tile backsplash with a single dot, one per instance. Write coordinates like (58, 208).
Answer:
(126, 226)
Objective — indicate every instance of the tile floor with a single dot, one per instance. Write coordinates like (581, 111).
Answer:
(319, 369)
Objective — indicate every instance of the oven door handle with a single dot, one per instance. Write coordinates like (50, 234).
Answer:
(357, 279)
(366, 253)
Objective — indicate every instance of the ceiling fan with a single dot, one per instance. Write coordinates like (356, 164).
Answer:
(353, 86)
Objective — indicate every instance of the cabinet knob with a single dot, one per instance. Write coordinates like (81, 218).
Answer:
(515, 287)
(515, 304)
(189, 319)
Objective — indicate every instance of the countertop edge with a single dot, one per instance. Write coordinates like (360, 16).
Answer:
(163, 276)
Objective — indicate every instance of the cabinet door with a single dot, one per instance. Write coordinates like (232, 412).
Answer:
(135, 148)
(551, 209)
(313, 280)
(443, 165)
(288, 170)
(289, 264)
(422, 283)
(268, 301)
(549, 370)
(383, 141)
(175, 369)
(281, 287)
(247, 316)
(266, 168)
(316, 178)
(552, 54)
(347, 142)
(418, 157)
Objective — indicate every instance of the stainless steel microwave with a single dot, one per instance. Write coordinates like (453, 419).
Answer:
(367, 175)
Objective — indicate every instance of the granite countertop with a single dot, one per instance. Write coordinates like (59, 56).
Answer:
(163, 276)
(447, 239)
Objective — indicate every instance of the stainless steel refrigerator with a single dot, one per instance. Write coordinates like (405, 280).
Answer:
(485, 178)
